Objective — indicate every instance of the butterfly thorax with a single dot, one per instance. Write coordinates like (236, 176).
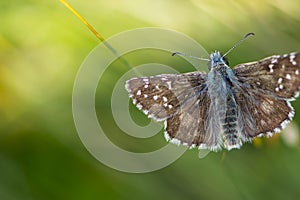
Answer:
(220, 84)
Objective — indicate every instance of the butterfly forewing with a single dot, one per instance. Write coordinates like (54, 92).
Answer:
(180, 99)
(275, 75)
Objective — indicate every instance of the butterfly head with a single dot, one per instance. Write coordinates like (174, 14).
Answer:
(216, 60)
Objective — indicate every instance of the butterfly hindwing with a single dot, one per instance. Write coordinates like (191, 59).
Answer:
(262, 114)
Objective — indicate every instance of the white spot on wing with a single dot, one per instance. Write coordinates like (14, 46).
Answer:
(292, 113)
(271, 67)
(146, 112)
(280, 80)
(167, 136)
(288, 76)
(236, 146)
(175, 141)
(146, 81)
(284, 123)
(139, 106)
(165, 99)
(274, 60)
(292, 57)
(138, 92)
(280, 86)
(277, 130)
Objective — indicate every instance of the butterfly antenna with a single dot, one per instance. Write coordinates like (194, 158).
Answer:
(238, 43)
(185, 55)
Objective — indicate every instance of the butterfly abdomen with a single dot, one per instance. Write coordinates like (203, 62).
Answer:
(229, 122)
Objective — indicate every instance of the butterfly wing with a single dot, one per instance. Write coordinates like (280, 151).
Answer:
(264, 90)
(278, 76)
(193, 125)
(161, 96)
(180, 99)
(262, 114)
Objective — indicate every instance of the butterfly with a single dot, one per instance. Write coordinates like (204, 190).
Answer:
(225, 107)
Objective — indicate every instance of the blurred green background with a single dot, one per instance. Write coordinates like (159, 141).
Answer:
(42, 45)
